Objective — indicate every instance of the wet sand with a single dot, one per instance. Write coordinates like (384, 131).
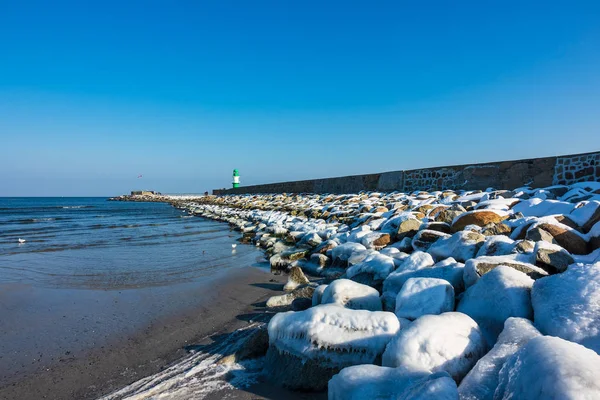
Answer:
(56, 369)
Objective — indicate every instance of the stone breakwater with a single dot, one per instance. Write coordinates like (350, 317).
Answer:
(441, 294)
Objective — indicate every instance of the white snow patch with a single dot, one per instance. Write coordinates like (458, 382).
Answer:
(421, 296)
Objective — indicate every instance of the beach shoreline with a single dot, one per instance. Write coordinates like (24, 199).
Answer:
(90, 374)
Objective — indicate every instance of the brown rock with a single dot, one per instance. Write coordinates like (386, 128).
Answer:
(567, 239)
(408, 227)
(479, 218)
(382, 240)
(425, 238)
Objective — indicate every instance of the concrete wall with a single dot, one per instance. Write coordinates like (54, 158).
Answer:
(535, 172)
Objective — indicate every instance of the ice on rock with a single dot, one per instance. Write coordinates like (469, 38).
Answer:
(550, 368)
(567, 305)
(416, 261)
(497, 245)
(461, 246)
(376, 264)
(352, 295)
(344, 251)
(536, 207)
(318, 295)
(450, 342)
(501, 293)
(358, 233)
(421, 296)
(306, 348)
(481, 382)
(362, 382)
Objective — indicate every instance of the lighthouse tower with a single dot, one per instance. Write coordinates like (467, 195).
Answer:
(236, 178)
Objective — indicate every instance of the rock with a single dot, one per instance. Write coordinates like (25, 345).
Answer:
(278, 263)
(450, 342)
(478, 217)
(325, 246)
(537, 234)
(341, 253)
(567, 305)
(448, 215)
(567, 238)
(461, 246)
(285, 300)
(375, 240)
(421, 296)
(295, 253)
(549, 368)
(416, 261)
(438, 226)
(374, 382)
(524, 247)
(496, 229)
(378, 266)
(477, 267)
(254, 344)
(498, 295)
(425, 238)
(295, 279)
(310, 239)
(404, 225)
(301, 303)
(498, 245)
(306, 348)
(481, 382)
(552, 257)
(352, 295)
(321, 260)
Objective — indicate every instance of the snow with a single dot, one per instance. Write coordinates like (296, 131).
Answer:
(362, 382)
(334, 335)
(450, 342)
(536, 207)
(416, 261)
(567, 305)
(318, 295)
(496, 245)
(501, 293)
(344, 251)
(352, 295)
(481, 382)
(461, 246)
(583, 212)
(379, 265)
(421, 296)
(550, 368)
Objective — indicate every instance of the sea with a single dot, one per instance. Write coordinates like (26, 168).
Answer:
(84, 242)
(88, 271)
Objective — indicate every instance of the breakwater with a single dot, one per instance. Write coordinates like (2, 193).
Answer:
(534, 172)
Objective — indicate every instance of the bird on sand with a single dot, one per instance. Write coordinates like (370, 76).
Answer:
(21, 240)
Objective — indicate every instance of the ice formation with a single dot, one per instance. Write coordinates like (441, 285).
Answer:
(421, 296)
(352, 295)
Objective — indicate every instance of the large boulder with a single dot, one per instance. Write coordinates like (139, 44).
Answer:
(497, 245)
(352, 295)
(477, 217)
(416, 261)
(552, 257)
(481, 382)
(421, 296)
(567, 305)
(501, 293)
(477, 267)
(362, 382)
(295, 279)
(450, 342)
(306, 348)
(568, 238)
(340, 254)
(461, 246)
(550, 368)
(377, 266)
(425, 238)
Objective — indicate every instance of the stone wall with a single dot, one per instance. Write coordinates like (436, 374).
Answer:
(535, 172)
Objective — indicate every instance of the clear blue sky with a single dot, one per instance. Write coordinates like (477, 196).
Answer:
(93, 93)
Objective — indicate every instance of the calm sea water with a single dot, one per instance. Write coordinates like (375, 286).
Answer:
(95, 243)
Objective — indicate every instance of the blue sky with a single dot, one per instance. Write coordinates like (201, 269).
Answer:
(94, 93)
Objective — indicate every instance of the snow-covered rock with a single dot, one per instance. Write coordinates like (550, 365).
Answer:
(318, 295)
(352, 295)
(450, 342)
(379, 266)
(477, 267)
(461, 246)
(550, 368)
(416, 261)
(306, 348)
(425, 238)
(567, 305)
(501, 293)
(497, 245)
(295, 279)
(481, 382)
(344, 251)
(421, 296)
(362, 382)
(552, 257)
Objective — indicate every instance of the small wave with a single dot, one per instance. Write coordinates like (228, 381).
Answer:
(76, 207)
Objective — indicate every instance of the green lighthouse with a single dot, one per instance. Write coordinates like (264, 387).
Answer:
(236, 178)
